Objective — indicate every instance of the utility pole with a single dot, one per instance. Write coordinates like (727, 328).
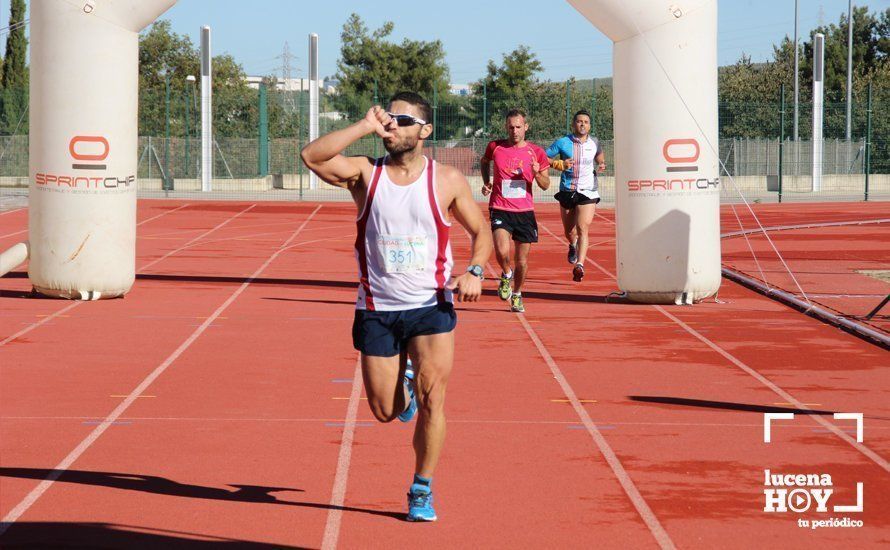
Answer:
(796, 75)
(313, 99)
(849, 68)
(206, 111)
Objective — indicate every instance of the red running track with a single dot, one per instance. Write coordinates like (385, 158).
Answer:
(218, 404)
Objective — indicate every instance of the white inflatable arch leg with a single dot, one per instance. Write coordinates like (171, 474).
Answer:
(666, 166)
(84, 89)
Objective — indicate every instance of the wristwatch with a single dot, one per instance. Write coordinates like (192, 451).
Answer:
(476, 270)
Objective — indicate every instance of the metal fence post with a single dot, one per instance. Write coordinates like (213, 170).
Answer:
(484, 107)
(435, 125)
(168, 179)
(263, 152)
(376, 102)
(781, 135)
(568, 107)
(150, 151)
(188, 132)
(593, 110)
(867, 140)
(300, 138)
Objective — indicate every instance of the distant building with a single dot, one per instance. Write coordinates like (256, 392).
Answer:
(460, 89)
(328, 85)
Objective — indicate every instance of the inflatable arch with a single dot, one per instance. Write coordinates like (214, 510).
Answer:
(84, 128)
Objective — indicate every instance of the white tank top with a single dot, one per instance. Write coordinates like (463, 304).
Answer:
(402, 246)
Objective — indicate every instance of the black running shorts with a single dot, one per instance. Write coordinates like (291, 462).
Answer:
(521, 225)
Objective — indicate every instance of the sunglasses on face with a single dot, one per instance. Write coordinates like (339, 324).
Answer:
(406, 120)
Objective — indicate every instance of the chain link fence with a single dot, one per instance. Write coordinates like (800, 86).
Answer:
(757, 163)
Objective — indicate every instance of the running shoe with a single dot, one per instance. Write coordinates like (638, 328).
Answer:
(573, 253)
(516, 303)
(578, 273)
(420, 503)
(411, 409)
(505, 290)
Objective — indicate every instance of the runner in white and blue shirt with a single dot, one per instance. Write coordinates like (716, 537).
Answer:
(578, 155)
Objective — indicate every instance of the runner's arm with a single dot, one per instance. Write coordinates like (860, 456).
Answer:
(324, 155)
(542, 178)
(542, 165)
(465, 210)
(485, 169)
(558, 164)
(600, 157)
(556, 161)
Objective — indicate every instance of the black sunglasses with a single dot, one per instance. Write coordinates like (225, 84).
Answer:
(406, 120)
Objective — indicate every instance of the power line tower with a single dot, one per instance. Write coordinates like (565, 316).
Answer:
(287, 71)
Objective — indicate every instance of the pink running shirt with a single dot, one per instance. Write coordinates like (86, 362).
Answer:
(514, 178)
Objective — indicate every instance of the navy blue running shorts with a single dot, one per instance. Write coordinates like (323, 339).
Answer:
(386, 333)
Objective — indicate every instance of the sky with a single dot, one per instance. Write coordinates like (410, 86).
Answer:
(472, 32)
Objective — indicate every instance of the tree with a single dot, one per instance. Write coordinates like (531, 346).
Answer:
(511, 84)
(15, 73)
(514, 77)
(370, 64)
(165, 56)
(749, 92)
(871, 47)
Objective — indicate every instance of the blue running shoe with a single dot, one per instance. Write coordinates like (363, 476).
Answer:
(411, 409)
(420, 504)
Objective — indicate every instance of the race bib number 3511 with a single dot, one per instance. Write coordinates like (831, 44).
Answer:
(403, 254)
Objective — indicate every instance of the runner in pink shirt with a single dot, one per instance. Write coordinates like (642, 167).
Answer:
(517, 165)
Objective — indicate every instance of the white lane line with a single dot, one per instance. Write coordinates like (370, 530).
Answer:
(42, 487)
(162, 214)
(11, 211)
(196, 239)
(338, 494)
(655, 527)
(137, 225)
(32, 326)
(876, 458)
(68, 308)
(530, 422)
(873, 456)
(648, 517)
(13, 234)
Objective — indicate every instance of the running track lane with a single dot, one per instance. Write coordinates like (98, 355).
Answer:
(130, 398)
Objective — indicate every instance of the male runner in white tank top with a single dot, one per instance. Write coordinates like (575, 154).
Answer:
(402, 248)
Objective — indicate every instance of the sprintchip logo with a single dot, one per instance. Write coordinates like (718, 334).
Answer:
(87, 153)
(681, 154)
(89, 149)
